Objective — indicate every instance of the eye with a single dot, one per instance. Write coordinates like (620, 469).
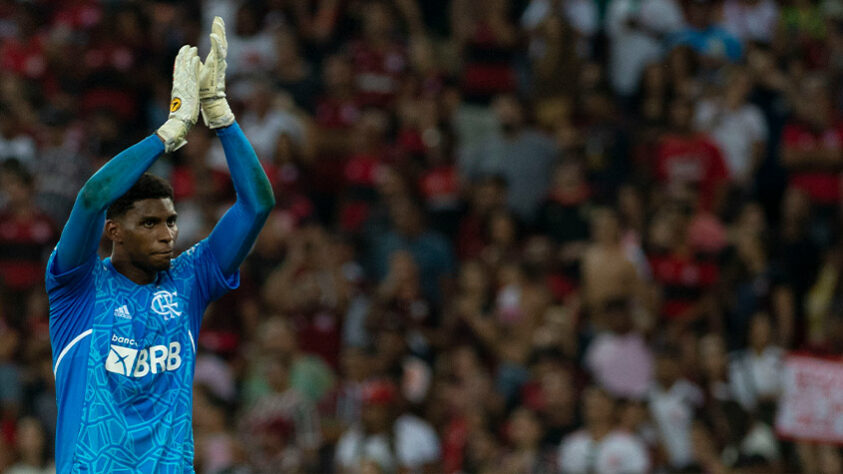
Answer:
(171, 221)
(149, 223)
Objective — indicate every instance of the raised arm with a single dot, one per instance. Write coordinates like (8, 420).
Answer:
(235, 233)
(83, 229)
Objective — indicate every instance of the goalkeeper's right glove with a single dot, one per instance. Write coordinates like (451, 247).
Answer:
(184, 100)
(215, 109)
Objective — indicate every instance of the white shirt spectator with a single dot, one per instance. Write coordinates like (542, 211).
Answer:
(254, 54)
(632, 49)
(753, 376)
(751, 20)
(415, 443)
(580, 14)
(618, 452)
(736, 132)
(22, 468)
(20, 147)
(214, 373)
(288, 407)
(673, 412)
(621, 364)
(263, 133)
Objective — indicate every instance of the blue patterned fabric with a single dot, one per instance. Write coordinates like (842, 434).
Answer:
(123, 356)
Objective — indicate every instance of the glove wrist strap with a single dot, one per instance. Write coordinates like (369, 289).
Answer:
(173, 132)
(216, 113)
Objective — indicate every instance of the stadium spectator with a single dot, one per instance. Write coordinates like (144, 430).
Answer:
(637, 31)
(33, 449)
(386, 437)
(520, 154)
(14, 144)
(601, 446)
(281, 429)
(26, 234)
(673, 401)
(737, 127)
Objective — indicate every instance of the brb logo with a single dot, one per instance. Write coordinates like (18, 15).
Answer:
(139, 362)
(165, 304)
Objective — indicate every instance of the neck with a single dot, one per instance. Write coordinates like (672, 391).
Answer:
(131, 271)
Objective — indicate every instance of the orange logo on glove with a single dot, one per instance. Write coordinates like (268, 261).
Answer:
(175, 104)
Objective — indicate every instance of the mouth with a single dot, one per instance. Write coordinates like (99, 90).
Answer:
(166, 253)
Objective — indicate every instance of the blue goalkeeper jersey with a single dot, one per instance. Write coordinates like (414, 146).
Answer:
(123, 358)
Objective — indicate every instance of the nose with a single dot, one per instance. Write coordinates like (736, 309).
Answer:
(167, 234)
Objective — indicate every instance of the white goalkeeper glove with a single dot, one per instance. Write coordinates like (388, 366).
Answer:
(184, 100)
(215, 109)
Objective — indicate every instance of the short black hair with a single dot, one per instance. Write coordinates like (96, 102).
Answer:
(148, 186)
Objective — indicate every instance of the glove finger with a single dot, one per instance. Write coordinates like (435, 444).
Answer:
(212, 55)
(216, 46)
(218, 29)
(195, 65)
(178, 64)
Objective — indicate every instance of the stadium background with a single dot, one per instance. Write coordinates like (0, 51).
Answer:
(499, 224)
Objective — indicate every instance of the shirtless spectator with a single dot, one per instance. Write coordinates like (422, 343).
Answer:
(607, 271)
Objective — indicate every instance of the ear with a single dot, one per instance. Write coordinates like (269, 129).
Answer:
(113, 231)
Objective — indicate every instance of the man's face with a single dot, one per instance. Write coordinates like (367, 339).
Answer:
(147, 233)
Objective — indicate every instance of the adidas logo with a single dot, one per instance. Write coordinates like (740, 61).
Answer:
(123, 312)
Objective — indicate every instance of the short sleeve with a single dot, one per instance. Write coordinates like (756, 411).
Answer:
(662, 16)
(758, 125)
(418, 444)
(209, 282)
(718, 169)
(630, 451)
(572, 454)
(704, 115)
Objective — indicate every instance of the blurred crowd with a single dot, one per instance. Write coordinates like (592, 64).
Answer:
(511, 235)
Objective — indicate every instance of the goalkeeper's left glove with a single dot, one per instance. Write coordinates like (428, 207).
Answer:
(215, 109)
(184, 100)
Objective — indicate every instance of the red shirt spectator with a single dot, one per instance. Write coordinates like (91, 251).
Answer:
(691, 159)
(377, 60)
(821, 182)
(440, 187)
(684, 279)
(377, 71)
(26, 233)
(24, 238)
(24, 57)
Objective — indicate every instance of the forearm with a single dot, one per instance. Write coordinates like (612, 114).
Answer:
(81, 234)
(119, 174)
(234, 234)
(250, 182)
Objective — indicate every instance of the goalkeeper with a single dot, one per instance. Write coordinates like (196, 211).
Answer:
(123, 329)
